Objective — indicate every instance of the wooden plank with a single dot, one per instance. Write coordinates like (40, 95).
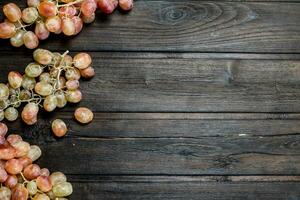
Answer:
(131, 82)
(190, 26)
(184, 187)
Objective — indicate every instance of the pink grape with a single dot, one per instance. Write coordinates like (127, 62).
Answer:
(41, 31)
(3, 129)
(126, 4)
(19, 193)
(88, 7)
(30, 40)
(78, 24)
(25, 161)
(68, 27)
(107, 6)
(82, 60)
(7, 152)
(12, 12)
(59, 128)
(72, 84)
(67, 11)
(88, 72)
(88, 19)
(29, 113)
(53, 24)
(3, 175)
(13, 139)
(83, 115)
(45, 172)
(7, 30)
(11, 181)
(32, 172)
(44, 183)
(47, 9)
(15, 79)
(13, 166)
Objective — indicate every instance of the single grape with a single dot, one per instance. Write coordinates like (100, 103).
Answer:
(11, 114)
(30, 40)
(45, 172)
(63, 189)
(47, 9)
(78, 24)
(32, 187)
(126, 4)
(17, 39)
(28, 83)
(3, 129)
(33, 3)
(59, 128)
(73, 96)
(67, 11)
(43, 88)
(88, 72)
(41, 30)
(4, 91)
(19, 193)
(13, 139)
(67, 61)
(107, 6)
(72, 84)
(83, 115)
(53, 24)
(32, 172)
(88, 19)
(12, 12)
(72, 74)
(61, 99)
(13, 166)
(30, 15)
(41, 197)
(44, 183)
(25, 161)
(42, 56)
(50, 103)
(82, 60)
(7, 152)
(57, 177)
(34, 153)
(88, 7)
(7, 30)
(15, 79)
(68, 26)
(29, 113)
(1, 115)
(22, 148)
(3, 175)
(33, 70)
(11, 181)
(5, 193)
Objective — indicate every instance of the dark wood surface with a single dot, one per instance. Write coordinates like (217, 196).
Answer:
(192, 100)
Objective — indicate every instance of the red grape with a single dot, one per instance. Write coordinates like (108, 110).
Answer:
(47, 9)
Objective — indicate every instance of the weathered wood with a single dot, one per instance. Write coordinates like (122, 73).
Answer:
(190, 26)
(184, 187)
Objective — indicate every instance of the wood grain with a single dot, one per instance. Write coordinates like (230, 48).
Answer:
(190, 26)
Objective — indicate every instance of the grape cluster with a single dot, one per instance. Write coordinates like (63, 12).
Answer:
(52, 16)
(50, 82)
(20, 178)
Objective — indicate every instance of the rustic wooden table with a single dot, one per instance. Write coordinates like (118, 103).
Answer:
(192, 100)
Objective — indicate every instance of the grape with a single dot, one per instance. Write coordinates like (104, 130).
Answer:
(1, 115)
(30, 40)
(12, 12)
(34, 153)
(67, 11)
(13, 139)
(126, 4)
(88, 72)
(5, 193)
(2, 140)
(78, 24)
(107, 6)
(13, 166)
(44, 183)
(83, 115)
(68, 27)
(57, 177)
(32, 172)
(15, 79)
(11, 181)
(7, 30)
(72, 74)
(41, 31)
(73, 96)
(28, 83)
(47, 9)
(19, 193)
(33, 3)
(41, 197)
(29, 113)
(25, 95)
(45, 77)
(72, 84)
(43, 56)
(82, 60)
(3, 129)
(50, 103)
(88, 7)
(51, 195)
(45, 172)
(4, 92)
(59, 128)
(53, 24)
(3, 175)
(61, 99)
(30, 15)
(63, 189)
(43, 88)
(31, 187)
(17, 39)
(88, 19)
(7, 152)
(22, 148)
(67, 61)
(33, 70)
(25, 161)
(11, 114)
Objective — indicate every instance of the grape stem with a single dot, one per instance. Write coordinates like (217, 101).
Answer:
(71, 3)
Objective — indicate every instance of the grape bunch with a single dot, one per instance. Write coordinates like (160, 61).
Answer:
(50, 82)
(52, 16)
(21, 179)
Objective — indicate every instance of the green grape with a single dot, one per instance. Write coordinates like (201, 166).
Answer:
(15, 101)
(15, 79)
(61, 83)
(63, 189)
(11, 114)
(50, 103)
(83, 115)
(30, 15)
(17, 39)
(1, 115)
(67, 61)
(43, 56)
(25, 95)
(41, 197)
(45, 77)
(73, 96)
(61, 99)
(43, 88)
(82, 60)
(34, 153)
(5, 193)
(28, 83)
(4, 91)
(57, 177)
(72, 74)
(33, 70)
(32, 187)
(3, 104)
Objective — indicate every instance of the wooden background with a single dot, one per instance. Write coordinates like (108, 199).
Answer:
(192, 100)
